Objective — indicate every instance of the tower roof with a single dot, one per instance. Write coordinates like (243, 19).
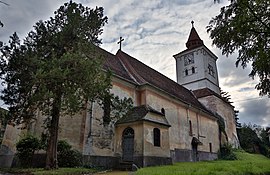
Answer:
(193, 40)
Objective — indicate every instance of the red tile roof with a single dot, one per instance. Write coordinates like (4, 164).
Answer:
(200, 93)
(146, 75)
(194, 40)
(136, 72)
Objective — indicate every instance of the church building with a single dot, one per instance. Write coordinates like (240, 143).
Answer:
(170, 121)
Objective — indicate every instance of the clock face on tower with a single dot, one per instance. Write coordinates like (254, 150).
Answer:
(188, 59)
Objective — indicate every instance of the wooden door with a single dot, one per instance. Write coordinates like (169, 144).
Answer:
(128, 144)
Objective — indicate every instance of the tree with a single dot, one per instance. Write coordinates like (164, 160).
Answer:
(253, 139)
(57, 69)
(237, 123)
(248, 139)
(244, 26)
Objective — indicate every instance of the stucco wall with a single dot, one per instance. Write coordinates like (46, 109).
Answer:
(204, 128)
(227, 112)
(149, 149)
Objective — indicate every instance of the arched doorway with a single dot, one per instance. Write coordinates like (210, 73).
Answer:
(128, 144)
(194, 143)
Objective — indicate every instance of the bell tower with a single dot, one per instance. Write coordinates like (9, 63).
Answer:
(196, 66)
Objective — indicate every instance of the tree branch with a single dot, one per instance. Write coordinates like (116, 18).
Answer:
(4, 3)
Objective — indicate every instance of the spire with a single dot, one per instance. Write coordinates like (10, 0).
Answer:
(193, 40)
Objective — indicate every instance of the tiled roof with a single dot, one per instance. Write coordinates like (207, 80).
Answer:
(112, 63)
(134, 71)
(139, 113)
(200, 93)
(146, 75)
(194, 40)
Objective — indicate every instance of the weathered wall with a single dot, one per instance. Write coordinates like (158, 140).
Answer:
(99, 137)
(204, 127)
(148, 142)
(8, 146)
(226, 111)
(138, 138)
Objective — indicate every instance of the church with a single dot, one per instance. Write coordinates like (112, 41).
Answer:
(170, 121)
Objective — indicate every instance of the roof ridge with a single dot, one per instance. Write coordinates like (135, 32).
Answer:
(129, 68)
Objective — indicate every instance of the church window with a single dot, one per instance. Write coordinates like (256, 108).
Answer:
(156, 137)
(190, 128)
(193, 70)
(210, 147)
(163, 111)
(211, 70)
(186, 72)
(106, 110)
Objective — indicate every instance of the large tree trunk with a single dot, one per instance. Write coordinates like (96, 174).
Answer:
(51, 159)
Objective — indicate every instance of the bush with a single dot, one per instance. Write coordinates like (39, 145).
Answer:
(26, 148)
(226, 153)
(68, 157)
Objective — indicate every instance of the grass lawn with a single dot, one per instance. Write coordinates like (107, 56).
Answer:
(247, 164)
(41, 171)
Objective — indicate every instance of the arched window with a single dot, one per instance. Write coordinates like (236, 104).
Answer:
(186, 72)
(163, 111)
(128, 132)
(156, 137)
(193, 70)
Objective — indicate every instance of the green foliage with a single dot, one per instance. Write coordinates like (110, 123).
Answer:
(68, 157)
(244, 26)
(254, 139)
(115, 108)
(249, 141)
(26, 148)
(226, 153)
(41, 171)
(246, 164)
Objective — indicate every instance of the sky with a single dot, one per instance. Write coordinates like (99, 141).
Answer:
(153, 31)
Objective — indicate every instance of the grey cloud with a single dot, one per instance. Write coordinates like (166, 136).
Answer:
(255, 111)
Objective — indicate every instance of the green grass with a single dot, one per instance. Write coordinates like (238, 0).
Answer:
(247, 164)
(41, 171)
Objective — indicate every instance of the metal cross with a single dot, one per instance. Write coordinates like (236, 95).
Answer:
(192, 23)
(120, 41)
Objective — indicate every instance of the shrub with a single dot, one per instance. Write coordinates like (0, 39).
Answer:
(68, 157)
(226, 153)
(26, 148)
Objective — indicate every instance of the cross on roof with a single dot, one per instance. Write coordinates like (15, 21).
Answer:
(192, 23)
(120, 41)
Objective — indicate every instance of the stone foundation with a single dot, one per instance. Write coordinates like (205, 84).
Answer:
(156, 161)
(101, 161)
(183, 155)
(114, 162)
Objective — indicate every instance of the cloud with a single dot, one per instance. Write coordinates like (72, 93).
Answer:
(256, 111)
(153, 31)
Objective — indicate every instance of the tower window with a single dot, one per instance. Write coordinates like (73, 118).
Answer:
(211, 70)
(193, 70)
(156, 137)
(210, 147)
(186, 72)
